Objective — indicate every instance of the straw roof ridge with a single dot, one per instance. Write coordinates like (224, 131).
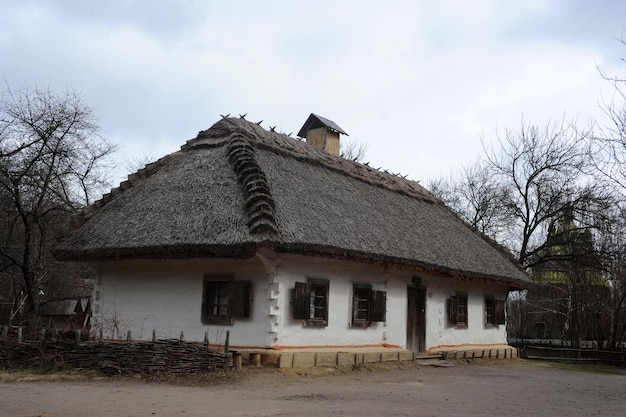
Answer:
(287, 146)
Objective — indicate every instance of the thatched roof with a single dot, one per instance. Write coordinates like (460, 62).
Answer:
(237, 187)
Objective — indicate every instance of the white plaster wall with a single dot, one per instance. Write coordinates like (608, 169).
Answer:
(341, 276)
(166, 296)
(440, 333)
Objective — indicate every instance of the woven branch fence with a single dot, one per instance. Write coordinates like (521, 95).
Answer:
(112, 357)
(573, 355)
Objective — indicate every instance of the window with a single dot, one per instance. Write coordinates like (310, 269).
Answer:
(457, 310)
(367, 305)
(224, 299)
(494, 311)
(311, 302)
(490, 311)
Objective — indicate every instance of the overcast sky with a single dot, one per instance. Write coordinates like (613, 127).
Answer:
(419, 82)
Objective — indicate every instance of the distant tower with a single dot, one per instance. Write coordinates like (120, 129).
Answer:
(322, 133)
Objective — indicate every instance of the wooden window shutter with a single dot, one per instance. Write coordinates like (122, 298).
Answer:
(499, 313)
(301, 302)
(205, 312)
(378, 305)
(239, 298)
(453, 310)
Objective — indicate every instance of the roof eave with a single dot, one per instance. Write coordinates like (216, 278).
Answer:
(239, 251)
(403, 264)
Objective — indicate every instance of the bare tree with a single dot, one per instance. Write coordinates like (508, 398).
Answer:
(608, 149)
(611, 243)
(544, 173)
(533, 192)
(353, 150)
(521, 185)
(52, 162)
(477, 196)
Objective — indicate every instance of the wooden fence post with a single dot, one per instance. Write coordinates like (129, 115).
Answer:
(5, 332)
(77, 335)
(227, 341)
(128, 338)
(19, 334)
(153, 335)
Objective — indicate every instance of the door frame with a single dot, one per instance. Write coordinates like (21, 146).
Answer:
(416, 316)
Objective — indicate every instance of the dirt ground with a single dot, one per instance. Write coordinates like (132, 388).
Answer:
(479, 388)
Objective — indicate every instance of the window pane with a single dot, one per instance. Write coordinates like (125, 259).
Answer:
(217, 298)
(462, 310)
(361, 303)
(490, 310)
(318, 301)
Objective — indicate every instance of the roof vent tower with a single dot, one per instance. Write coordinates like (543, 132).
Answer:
(322, 133)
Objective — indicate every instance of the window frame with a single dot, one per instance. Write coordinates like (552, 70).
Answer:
(311, 301)
(490, 311)
(499, 311)
(236, 301)
(372, 305)
(458, 310)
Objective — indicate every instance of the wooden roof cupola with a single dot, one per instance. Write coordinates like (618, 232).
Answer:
(322, 133)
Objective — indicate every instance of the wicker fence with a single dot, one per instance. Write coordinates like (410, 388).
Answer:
(41, 351)
(564, 354)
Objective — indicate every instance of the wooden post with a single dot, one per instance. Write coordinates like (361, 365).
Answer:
(77, 335)
(227, 341)
(206, 339)
(254, 359)
(101, 335)
(182, 337)
(237, 360)
(153, 335)
(42, 335)
(5, 332)
(128, 338)
(19, 334)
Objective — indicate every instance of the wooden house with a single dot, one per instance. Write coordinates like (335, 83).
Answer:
(284, 244)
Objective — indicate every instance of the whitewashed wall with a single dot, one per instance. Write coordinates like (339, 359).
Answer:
(166, 296)
(440, 333)
(341, 276)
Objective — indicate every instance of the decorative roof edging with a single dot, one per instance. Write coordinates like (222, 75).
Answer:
(259, 202)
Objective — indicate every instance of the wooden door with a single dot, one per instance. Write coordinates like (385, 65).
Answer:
(416, 319)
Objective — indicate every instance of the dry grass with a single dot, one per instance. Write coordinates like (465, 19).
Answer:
(219, 377)
(590, 368)
(29, 375)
